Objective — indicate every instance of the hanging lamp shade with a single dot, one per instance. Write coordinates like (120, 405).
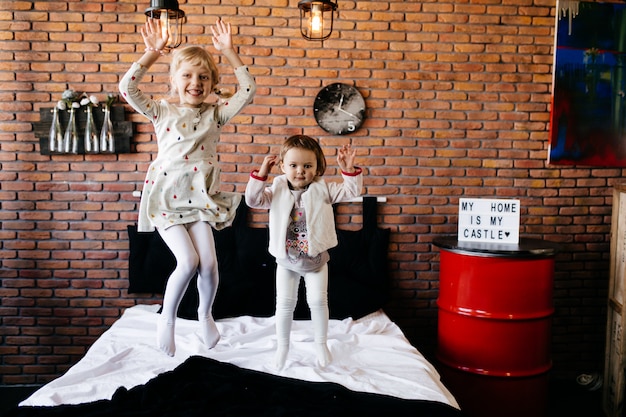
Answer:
(316, 19)
(171, 17)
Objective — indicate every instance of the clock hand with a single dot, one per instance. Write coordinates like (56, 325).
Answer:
(340, 102)
(346, 112)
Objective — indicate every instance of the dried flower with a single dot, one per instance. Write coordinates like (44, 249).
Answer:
(69, 99)
(111, 98)
(86, 100)
(69, 95)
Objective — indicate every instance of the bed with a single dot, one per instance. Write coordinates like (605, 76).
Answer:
(375, 370)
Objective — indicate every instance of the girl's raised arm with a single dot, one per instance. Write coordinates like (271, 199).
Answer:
(155, 41)
(223, 42)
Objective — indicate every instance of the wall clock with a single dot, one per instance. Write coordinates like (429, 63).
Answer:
(339, 109)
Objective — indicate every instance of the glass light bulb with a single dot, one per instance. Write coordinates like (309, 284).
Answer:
(165, 26)
(317, 21)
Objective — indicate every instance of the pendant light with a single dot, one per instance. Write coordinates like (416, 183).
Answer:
(171, 17)
(316, 19)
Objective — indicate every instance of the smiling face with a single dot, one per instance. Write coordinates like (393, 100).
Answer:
(192, 83)
(193, 75)
(300, 167)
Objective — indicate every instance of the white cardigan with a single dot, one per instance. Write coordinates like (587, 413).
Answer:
(317, 200)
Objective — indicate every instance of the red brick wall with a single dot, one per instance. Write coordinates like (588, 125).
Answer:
(458, 95)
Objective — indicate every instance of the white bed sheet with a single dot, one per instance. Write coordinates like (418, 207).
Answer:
(370, 355)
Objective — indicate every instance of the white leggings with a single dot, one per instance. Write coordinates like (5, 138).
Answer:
(287, 282)
(193, 247)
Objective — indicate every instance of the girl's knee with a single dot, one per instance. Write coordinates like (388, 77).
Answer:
(286, 303)
(188, 264)
(208, 268)
(317, 300)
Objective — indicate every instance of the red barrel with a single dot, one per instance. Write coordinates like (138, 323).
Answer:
(495, 307)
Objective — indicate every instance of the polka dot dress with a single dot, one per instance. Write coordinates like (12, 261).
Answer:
(182, 184)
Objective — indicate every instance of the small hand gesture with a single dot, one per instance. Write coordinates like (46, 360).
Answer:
(222, 36)
(268, 162)
(345, 158)
(153, 35)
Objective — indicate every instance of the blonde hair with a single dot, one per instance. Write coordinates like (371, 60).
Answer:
(308, 143)
(196, 55)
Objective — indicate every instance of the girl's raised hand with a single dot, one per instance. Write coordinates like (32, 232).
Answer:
(222, 36)
(345, 158)
(153, 36)
(268, 162)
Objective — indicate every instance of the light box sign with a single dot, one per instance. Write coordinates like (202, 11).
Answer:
(489, 220)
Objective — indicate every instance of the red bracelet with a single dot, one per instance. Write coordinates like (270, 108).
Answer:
(254, 175)
(356, 172)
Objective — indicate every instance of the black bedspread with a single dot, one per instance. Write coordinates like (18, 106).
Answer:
(205, 387)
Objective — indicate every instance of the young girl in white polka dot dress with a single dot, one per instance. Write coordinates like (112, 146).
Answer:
(181, 197)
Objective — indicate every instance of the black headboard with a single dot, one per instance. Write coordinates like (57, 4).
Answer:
(358, 270)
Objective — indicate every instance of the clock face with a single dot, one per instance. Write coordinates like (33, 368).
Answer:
(339, 109)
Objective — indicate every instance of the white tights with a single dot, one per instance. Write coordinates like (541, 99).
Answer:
(193, 247)
(287, 282)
